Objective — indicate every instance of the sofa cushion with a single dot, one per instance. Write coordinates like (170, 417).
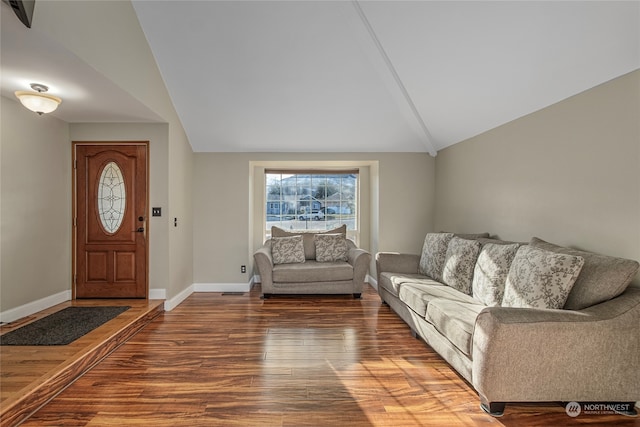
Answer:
(455, 320)
(287, 250)
(490, 272)
(540, 279)
(459, 263)
(434, 252)
(392, 281)
(313, 271)
(330, 247)
(417, 296)
(601, 279)
(307, 236)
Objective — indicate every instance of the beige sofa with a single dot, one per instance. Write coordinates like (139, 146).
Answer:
(328, 264)
(480, 303)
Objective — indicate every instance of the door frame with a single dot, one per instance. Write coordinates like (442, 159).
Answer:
(74, 209)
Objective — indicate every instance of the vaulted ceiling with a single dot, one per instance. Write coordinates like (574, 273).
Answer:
(345, 76)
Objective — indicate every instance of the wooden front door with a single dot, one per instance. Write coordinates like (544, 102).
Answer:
(110, 223)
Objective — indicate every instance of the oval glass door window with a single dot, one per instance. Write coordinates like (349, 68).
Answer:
(112, 197)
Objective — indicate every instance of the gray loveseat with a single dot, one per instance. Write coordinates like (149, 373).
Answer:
(311, 262)
(522, 323)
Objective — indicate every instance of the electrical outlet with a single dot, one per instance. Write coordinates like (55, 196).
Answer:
(243, 269)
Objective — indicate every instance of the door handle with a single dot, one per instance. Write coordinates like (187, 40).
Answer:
(142, 229)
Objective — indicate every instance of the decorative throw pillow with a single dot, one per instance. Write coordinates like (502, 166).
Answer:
(602, 278)
(490, 272)
(287, 250)
(330, 247)
(433, 255)
(459, 261)
(540, 279)
(307, 237)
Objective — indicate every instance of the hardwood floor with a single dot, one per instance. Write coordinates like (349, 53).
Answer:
(237, 360)
(31, 375)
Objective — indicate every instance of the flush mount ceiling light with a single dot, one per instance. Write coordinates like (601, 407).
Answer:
(38, 101)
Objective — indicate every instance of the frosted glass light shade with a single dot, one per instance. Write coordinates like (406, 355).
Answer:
(38, 102)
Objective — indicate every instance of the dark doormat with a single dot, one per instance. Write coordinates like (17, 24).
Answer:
(62, 327)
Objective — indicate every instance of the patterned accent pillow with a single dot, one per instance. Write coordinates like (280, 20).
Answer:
(603, 277)
(287, 250)
(490, 272)
(540, 279)
(433, 255)
(330, 247)
(459, 262)
(307, 237)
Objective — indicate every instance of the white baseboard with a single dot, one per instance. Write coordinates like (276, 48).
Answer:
(372, 281)
(175, 301)
(34, 307)
(44, 303)
(198, 287)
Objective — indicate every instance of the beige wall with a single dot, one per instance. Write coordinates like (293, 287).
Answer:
(117, 47)
(228, 205)
(35, 176)
(569, 173)
(180, 177)
(107, 36)
(406, 192)
(36, 204)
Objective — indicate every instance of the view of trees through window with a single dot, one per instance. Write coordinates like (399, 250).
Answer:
(313, 201)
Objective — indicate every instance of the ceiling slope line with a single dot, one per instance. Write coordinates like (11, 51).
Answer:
(396, 77)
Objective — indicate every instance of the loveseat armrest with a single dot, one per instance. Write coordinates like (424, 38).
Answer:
(592, 354)
(360, 260)
(264, 263)
(356, 255)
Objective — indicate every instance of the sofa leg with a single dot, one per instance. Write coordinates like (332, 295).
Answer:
(414, 334)
(356, 296)
(495, 409)
(266, 296)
